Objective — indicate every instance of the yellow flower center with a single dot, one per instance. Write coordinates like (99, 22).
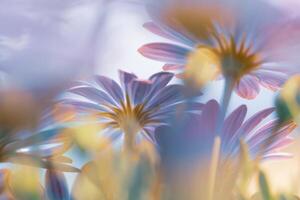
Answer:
(129, 118)
(232, 59)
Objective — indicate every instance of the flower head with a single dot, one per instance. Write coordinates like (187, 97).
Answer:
(262, 136)
(137, 106)
(192, 150)
(243, 37)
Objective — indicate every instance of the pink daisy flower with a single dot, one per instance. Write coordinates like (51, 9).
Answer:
(255, 43)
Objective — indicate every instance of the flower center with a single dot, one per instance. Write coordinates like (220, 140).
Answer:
(128, 117)
(232, 59)
(236, 60)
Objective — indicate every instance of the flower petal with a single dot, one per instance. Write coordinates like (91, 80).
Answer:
(166, 96)
(159, 80)
(271, 79)
(126, 78)
(248, 87)
(111, 87)
(139, 90)
(165, 52)
(56, 186)
(93, 94)
(249, 125)
(233, 122)
(172, 67)
(168, 33)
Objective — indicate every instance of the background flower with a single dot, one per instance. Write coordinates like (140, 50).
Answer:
(132, 110)
(244, 36)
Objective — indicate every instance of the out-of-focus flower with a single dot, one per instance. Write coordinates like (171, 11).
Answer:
(193, 150)
(132, 110)
(41, 147)
(288, 104)
(44, 145)
(117, 175)
(41, 50)
(250, 43)
(255, 132)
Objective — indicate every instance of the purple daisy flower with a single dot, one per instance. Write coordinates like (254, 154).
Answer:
(132, 110)
(256, 44)
(195, 136)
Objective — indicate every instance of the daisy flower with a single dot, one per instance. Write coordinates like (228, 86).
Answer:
(249, 43)
(193, 151)
(132, 110)
(261, 134)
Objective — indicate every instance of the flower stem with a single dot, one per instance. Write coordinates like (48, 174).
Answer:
(227, 93)
(214, 167)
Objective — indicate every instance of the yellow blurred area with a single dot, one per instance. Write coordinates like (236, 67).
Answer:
(290, 93)
(24, 182)
(108, 176)
(88, 136)
(203, 65)
(284, 174)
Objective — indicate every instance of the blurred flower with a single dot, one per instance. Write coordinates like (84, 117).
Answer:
(288, 105)
(113, 175)
(44, 145)
(24, 183)
(134, 109)
(249, 43)
(41, 51)
(192, 151)
(255, 132)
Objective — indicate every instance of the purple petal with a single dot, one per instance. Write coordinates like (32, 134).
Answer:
(266, 136)
(139, 90)
(271, 79)
(152, 27)
(168, 33)
(233, 122)
(209, 118)
(56, 186)
(248, 87)
(249, 125)
(111, 87)
(165, 52)
(280, 144)
(126, 78)
(159, 81)
(93, 94)
(84, 106)
(166, 96)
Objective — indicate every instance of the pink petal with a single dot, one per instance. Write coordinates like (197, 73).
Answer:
(172, 67)
(165, 52)
(277, 155)
(250, 124)
(152, 27)
(248, 87)
(272, 80)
